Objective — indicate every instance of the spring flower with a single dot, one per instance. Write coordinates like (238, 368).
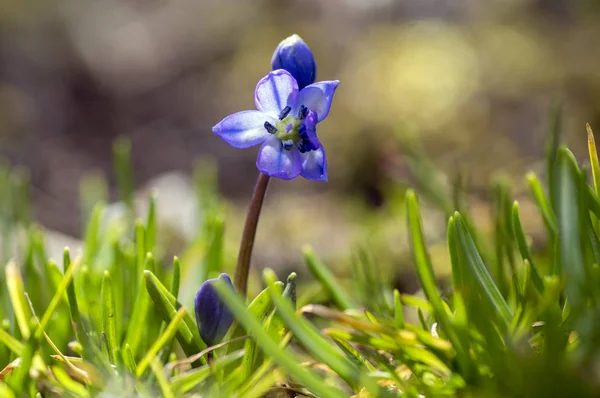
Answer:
(285, 124)
(212, 316)
(293, 55)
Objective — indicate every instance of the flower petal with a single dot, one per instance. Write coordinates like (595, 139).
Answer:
(275, 91)
(212, 315)
(314, 165)
(293, 55)
(317, 97)
(311, 129)
(244, 129)
(275, 161)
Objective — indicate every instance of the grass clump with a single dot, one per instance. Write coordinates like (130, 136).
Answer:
(111, 320)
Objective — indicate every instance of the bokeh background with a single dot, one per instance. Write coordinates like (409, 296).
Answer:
(471, 82)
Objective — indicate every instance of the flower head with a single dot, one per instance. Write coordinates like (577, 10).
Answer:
(293, 55)
(285, 124)
(212, 316)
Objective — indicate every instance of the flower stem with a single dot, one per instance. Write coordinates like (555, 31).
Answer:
(242, 270)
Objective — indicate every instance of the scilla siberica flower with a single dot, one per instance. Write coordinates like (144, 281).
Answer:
(284, 123)
(212, 316)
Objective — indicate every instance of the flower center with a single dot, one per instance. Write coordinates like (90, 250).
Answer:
(291, 130)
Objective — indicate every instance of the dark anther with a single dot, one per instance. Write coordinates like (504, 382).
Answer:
(270, 128)
(288, 144)
(284, 112)
(302, 112)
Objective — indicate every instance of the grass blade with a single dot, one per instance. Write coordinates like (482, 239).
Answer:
(426, 277)
(124, 170)
(567, 197)
(16, 291)
(310, 337)
(542, 203)
(160, 342)
(163, 383)
(524, 248)
(109, 319)
(186, 381)
(166, 306)
(323, 275)
(485, 283)
(593, 158)
(286, 360)
(72, 297)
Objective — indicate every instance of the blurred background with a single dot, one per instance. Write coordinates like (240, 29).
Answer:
(470, 83)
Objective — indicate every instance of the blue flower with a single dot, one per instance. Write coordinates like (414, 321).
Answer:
(285, 124)
(212, 316)
(293, 55)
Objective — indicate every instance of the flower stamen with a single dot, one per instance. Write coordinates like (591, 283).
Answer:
(270, 128)
(302, 112)
(286, 111)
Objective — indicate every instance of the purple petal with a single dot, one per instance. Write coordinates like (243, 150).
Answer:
(244, 129)
(314, 165)
(311, 129)
(317, 97)
(293, 55)
(275, 161)
(275, 91)
(213, 318)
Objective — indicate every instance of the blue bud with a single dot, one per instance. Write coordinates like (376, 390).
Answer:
(212, 315)
(293, 55)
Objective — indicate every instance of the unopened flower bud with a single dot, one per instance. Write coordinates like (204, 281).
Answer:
(212, 315)
(293, 55)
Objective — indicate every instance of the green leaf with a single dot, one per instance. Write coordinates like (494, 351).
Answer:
(485, 283)
(274, 325)
(524, 248)
(166, 306)
(128, 359)
(593, 158)
(176, 278)
(150, 237)
(310, 337)
(164, 339)
(187, 381)
(458, 269)
(288, 361)
(567, 197)
(398, 310)
(542, 203)
(92, 232)
(140, 248)
(260, 308)
(163, 383)
(377, 343)
(323, 275)
(427, 357)
(109, 319)
(424, 270)
(353, 354)
(141, 313)
(554, 139)
(12, 343)
(16, 291)
(68, 383)
(215, 232)
(124, 170)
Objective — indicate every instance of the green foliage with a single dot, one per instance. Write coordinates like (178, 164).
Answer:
(513, 320)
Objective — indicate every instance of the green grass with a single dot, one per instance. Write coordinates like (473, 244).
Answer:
(112, 320)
